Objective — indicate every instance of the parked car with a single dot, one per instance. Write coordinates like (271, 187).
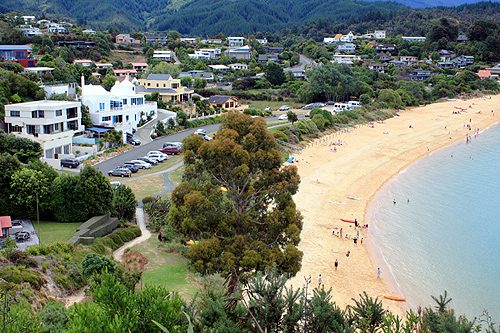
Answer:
(133, 141)
(308, 114)
(152, 161)
(115, 184)
(174, 150)
(173, 143)
(158, 155)
(22, 236)
(122, 172)
(142, 164)
(268, 109)
(330, 103)
(70, 163)
(132, 167)
(284, 108)
(201, 131)
(283, 117)
(206, 137)
(308, 107)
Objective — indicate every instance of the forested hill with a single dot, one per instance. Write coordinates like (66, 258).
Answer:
(435, 3)
(231, 17)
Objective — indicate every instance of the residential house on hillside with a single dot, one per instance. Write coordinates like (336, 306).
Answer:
(79, 44)
(125, 39)
(265, 58)
(348, 38)
(5, 225)
(57, 28)
(236, 41)
(103, 65)
(397, 63)
(346, 47)
(157, 39)
(121, 108)
(163, 56)
(413, 39)
(83, 62)
(220, 68)
(376, 67)
(60, 88)
(222, 101)
(347, 59)
(18, 53)
(50, 123)
(170, 89)
(273, 49)
(462, 39)
(385, 47)
(211, 41)
(379, 34)
(238, 66)
(244, 52)
(298, 73)
(420, 75)
(124, 72)
(198, 54)
(384, 57)
(189, 40)
(262, 41)
(446, 55)
(89, 32)
(408, 60)
(28, 18)
(486, 74)
(204, 75)
(140, 66)
(30, 31)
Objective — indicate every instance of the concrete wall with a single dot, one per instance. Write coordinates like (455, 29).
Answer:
(98, 226)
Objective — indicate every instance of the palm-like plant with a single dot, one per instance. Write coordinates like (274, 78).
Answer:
(442, 302)
(368, 313)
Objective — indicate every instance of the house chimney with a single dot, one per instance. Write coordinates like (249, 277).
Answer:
(83, 81)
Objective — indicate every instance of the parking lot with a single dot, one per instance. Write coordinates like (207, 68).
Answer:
(27, 227)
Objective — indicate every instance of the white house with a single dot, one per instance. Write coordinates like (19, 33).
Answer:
(88, 31)
(348, 38)
(121, 108)
(50, 123)
(345, 58)
(235, 41)
(262, 41)
(413, 39)
(163, 55)
(28, 18)
(221, 68)
(213, 52)
(379, 34)
(346, 47)
(60, 88)
(238, 66)
(199, 54)
(189, 40)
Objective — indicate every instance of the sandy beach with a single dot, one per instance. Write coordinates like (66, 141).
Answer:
(366, 160)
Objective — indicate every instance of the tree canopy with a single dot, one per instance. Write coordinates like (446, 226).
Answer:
(238, 201)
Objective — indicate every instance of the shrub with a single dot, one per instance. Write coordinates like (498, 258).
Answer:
(116, 239)
(45, 265)
(148, 199)
(19, 257)
(95, 263)
(54, 317)
(319, 120)
(136, 230)
(17, 276)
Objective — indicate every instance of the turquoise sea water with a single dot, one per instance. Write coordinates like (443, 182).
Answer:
(448, 236)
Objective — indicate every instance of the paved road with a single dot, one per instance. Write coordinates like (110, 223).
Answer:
(156, 144)
(144, 133)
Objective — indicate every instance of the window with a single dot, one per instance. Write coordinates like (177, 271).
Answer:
(34, 114)
(102, 106)
(57, 150)
(157, 85)
(58, 113)
(107, 118)
(126, 118)
(66, 149)
(15, 113)
(41, 114)
(174, 86)
(49, 153)
(48, 129)
(56, 127)
(164, 85)
(149, 84)
(125, 101)
(72, 113)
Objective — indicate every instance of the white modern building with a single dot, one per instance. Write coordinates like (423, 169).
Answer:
(413, 39)
(121, 108)
(235, 41)
(50, 123)
(238, 66)
(163, 55)
(347, 59)
(379, 34)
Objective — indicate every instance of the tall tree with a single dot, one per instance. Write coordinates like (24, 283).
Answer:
(97, 191)
(274, 74)
(238, 201)
(124, 202)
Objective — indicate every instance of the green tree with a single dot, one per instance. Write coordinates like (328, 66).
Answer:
(9, 165)
(238, 202)
(68, 199)
(201, 66)
(187, 81)
(181, 118)
(124, 202)
(332, 81)
(26, 185)
(163, 68)
(109, 81)
(367, 314)
(94, 263)
(292, 117)
(323, 315)
(275, 74)
(199, 83)
(97, 192)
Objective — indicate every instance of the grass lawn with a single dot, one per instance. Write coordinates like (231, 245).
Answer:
(176, 176)
(167, 269)
(147, 186)
(51, 232)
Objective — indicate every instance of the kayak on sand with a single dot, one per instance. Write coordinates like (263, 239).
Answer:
(395, 298)
(348, 221)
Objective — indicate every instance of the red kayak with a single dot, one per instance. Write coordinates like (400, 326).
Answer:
(348, 221)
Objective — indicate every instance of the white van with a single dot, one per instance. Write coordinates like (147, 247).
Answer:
(340, 106)
(354, 104)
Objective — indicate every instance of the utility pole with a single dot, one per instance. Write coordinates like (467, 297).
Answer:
(38, 219)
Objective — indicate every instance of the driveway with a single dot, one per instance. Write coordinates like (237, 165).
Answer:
(144, 133)
(27, 226)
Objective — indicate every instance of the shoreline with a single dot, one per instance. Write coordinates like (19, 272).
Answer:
(361, 167)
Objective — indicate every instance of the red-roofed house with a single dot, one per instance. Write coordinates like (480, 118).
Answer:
(140, 66)
(124, 72)
(484, 73)
(6, 224)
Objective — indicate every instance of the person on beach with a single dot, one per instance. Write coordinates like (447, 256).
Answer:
(340, 232)
(357, 235)
(378, 272)
(394, 201)
(336, 264)
(319, 281)
(361, 241)
(355, 241)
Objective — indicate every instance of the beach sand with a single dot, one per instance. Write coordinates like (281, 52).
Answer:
(368, 159)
